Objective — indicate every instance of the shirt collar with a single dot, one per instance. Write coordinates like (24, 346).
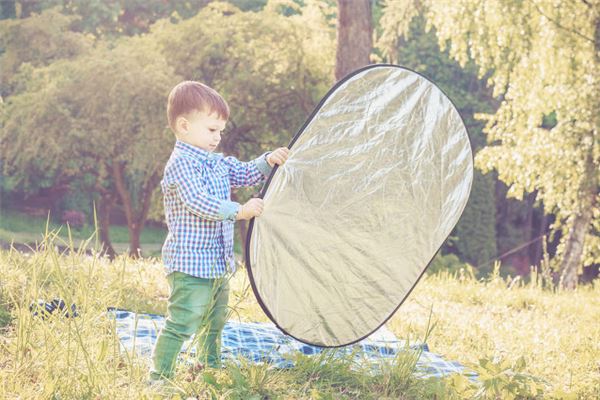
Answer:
(195, 152)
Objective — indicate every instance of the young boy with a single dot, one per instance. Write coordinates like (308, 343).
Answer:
(198, 250)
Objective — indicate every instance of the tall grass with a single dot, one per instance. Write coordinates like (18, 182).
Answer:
(525, 340)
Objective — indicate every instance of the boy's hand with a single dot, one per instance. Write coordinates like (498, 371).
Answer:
(253, 208)
(278, 156)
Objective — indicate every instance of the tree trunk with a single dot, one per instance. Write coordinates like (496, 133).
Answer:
(530, 226)
(589, 186)
(107, 201)
(581, 224)
(135, 220)
(574, 248)
(118, 169)
(139, 221)
(354, 36)
(542, 230)
(135, 248)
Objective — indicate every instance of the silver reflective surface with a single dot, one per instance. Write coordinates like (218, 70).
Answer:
(373, 186)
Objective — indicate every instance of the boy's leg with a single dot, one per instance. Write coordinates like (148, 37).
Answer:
(189, 301)
(209, 338)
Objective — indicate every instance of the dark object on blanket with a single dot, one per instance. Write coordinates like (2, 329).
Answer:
(43, 309)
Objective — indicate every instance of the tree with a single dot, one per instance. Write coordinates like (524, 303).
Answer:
(101, 114)
(271, 68)
(354, 36)
(105, 18)
(48, 39)
(543, 60)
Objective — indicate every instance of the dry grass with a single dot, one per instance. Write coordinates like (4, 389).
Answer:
(517, 330)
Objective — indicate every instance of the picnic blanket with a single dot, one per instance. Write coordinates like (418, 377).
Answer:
(263, 342)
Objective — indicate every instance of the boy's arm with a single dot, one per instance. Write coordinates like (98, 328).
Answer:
(195, 197)
(248, 173)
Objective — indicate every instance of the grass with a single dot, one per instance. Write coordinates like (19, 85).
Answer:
(23, 228)
(524, 340)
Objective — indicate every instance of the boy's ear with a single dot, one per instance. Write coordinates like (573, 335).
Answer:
(182, 124)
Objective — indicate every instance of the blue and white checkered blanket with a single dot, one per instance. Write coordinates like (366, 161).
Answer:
(263, 342)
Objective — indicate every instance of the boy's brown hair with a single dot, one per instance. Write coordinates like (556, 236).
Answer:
(189, 96)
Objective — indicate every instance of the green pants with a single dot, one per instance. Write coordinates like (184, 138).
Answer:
(196, 305)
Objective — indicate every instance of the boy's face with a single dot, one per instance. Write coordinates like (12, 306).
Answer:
(200, 129)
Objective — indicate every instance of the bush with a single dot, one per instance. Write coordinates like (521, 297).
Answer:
(75, 219)
(447, 262)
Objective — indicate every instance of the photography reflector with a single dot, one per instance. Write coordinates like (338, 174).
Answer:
(375, 182)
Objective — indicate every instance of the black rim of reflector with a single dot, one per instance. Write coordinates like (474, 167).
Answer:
(266, 185)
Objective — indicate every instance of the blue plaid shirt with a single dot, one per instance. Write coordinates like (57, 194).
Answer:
(200, 214)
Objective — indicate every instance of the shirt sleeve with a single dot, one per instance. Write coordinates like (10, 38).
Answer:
(248, 173)
(194, 195)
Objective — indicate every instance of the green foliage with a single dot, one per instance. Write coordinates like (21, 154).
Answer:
(447, 262)
(107, 105)
(48, 38)
(476, 229)
(109, 18)
(77, 199)
(541, 59)
(246, 381)
(115, 18)
(249, 5)
(503, 378)
(5, 314)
